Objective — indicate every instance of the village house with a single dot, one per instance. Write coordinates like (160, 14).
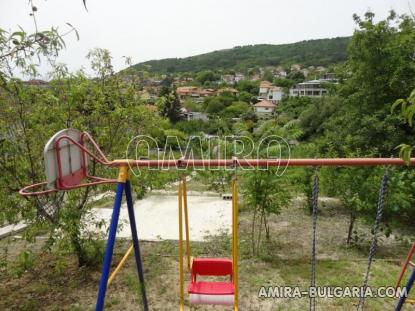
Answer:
(229, 79)
(193, 92)
(280, 74)
(230, 90)
(239, 77)
(194, 115)
(198, 94)
(255, 77)
(270, 92)
(233, 78)
(264, 109)
(36, 82)
(313, 88)
(295, 67)
(329, 77)
(305, 72)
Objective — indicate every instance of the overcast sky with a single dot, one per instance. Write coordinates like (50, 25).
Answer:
(157, 29)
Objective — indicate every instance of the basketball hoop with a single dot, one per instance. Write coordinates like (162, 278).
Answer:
(66, 164)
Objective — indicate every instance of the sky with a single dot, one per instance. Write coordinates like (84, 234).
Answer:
(156, 29)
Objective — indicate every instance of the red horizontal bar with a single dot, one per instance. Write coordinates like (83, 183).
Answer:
(261, 162)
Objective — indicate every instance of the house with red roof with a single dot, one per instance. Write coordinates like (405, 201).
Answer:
(264, 109)
(270, 92)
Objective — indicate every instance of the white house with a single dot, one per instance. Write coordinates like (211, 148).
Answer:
(195, 115)
(239, 77)
(270, 92)
(229, 79)
(281, 74)
(233, 78)
(264, 87)
(264, 109)
(313, 88)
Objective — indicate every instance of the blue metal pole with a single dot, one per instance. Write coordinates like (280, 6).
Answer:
(110, 247)
(406, 290)
(130, 206)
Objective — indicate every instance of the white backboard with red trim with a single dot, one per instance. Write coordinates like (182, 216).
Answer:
(70, 155)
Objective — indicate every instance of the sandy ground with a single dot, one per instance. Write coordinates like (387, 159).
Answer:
(157, 217)
(55, 282)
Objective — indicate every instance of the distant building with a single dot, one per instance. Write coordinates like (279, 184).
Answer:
(229, 79)
(36, 83)
(239, 77)
(198, 94)
(270, 92)
(281, 74)
(195, 115)
(264, 109)
(255, 77)
(230, 90)
(195, 93)
(329, 78)
(264, 87)
(305, 72)
(295, 67)
(313, 88)
(233, 78)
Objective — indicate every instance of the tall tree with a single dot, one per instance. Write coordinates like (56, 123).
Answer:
(171, 107)
(379, 69)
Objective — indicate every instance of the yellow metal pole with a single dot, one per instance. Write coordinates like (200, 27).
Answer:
(181, 276)
(235, 242)
(120, 265)
(233, 221)
(186, 222)
(123, 174)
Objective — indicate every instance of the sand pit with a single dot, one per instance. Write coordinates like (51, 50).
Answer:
(157, 217)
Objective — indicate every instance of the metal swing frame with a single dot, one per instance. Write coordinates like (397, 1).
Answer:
(75, 179)
(234, 275)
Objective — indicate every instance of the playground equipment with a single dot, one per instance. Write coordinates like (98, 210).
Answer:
(66, 168)
(408, 286)
(66, 158)
(209, 292)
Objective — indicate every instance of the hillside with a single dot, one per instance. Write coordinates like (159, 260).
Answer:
(321, 52)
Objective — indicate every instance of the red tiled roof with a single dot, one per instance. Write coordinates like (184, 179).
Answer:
(186, 89)
(265, 84)
(35, 82)
(228, 89)
(264, 103)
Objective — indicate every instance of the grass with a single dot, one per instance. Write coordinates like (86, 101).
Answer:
(283, 261)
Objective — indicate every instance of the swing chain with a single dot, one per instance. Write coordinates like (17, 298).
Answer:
(314, 202)
(373, 245)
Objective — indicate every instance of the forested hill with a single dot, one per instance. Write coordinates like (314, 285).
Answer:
(321, 52)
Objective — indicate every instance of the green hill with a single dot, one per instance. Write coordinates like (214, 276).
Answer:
(321, 52)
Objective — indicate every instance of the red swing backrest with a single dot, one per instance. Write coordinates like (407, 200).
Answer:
(211, 267)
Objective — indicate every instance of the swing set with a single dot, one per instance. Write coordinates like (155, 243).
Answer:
(66, 158)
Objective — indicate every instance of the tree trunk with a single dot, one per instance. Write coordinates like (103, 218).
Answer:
(253, 230)
(75, 235)
(260, 231)
(351, 226)
(267, 234)
(80, 254)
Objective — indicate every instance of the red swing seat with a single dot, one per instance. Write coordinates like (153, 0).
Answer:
(211, 292)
